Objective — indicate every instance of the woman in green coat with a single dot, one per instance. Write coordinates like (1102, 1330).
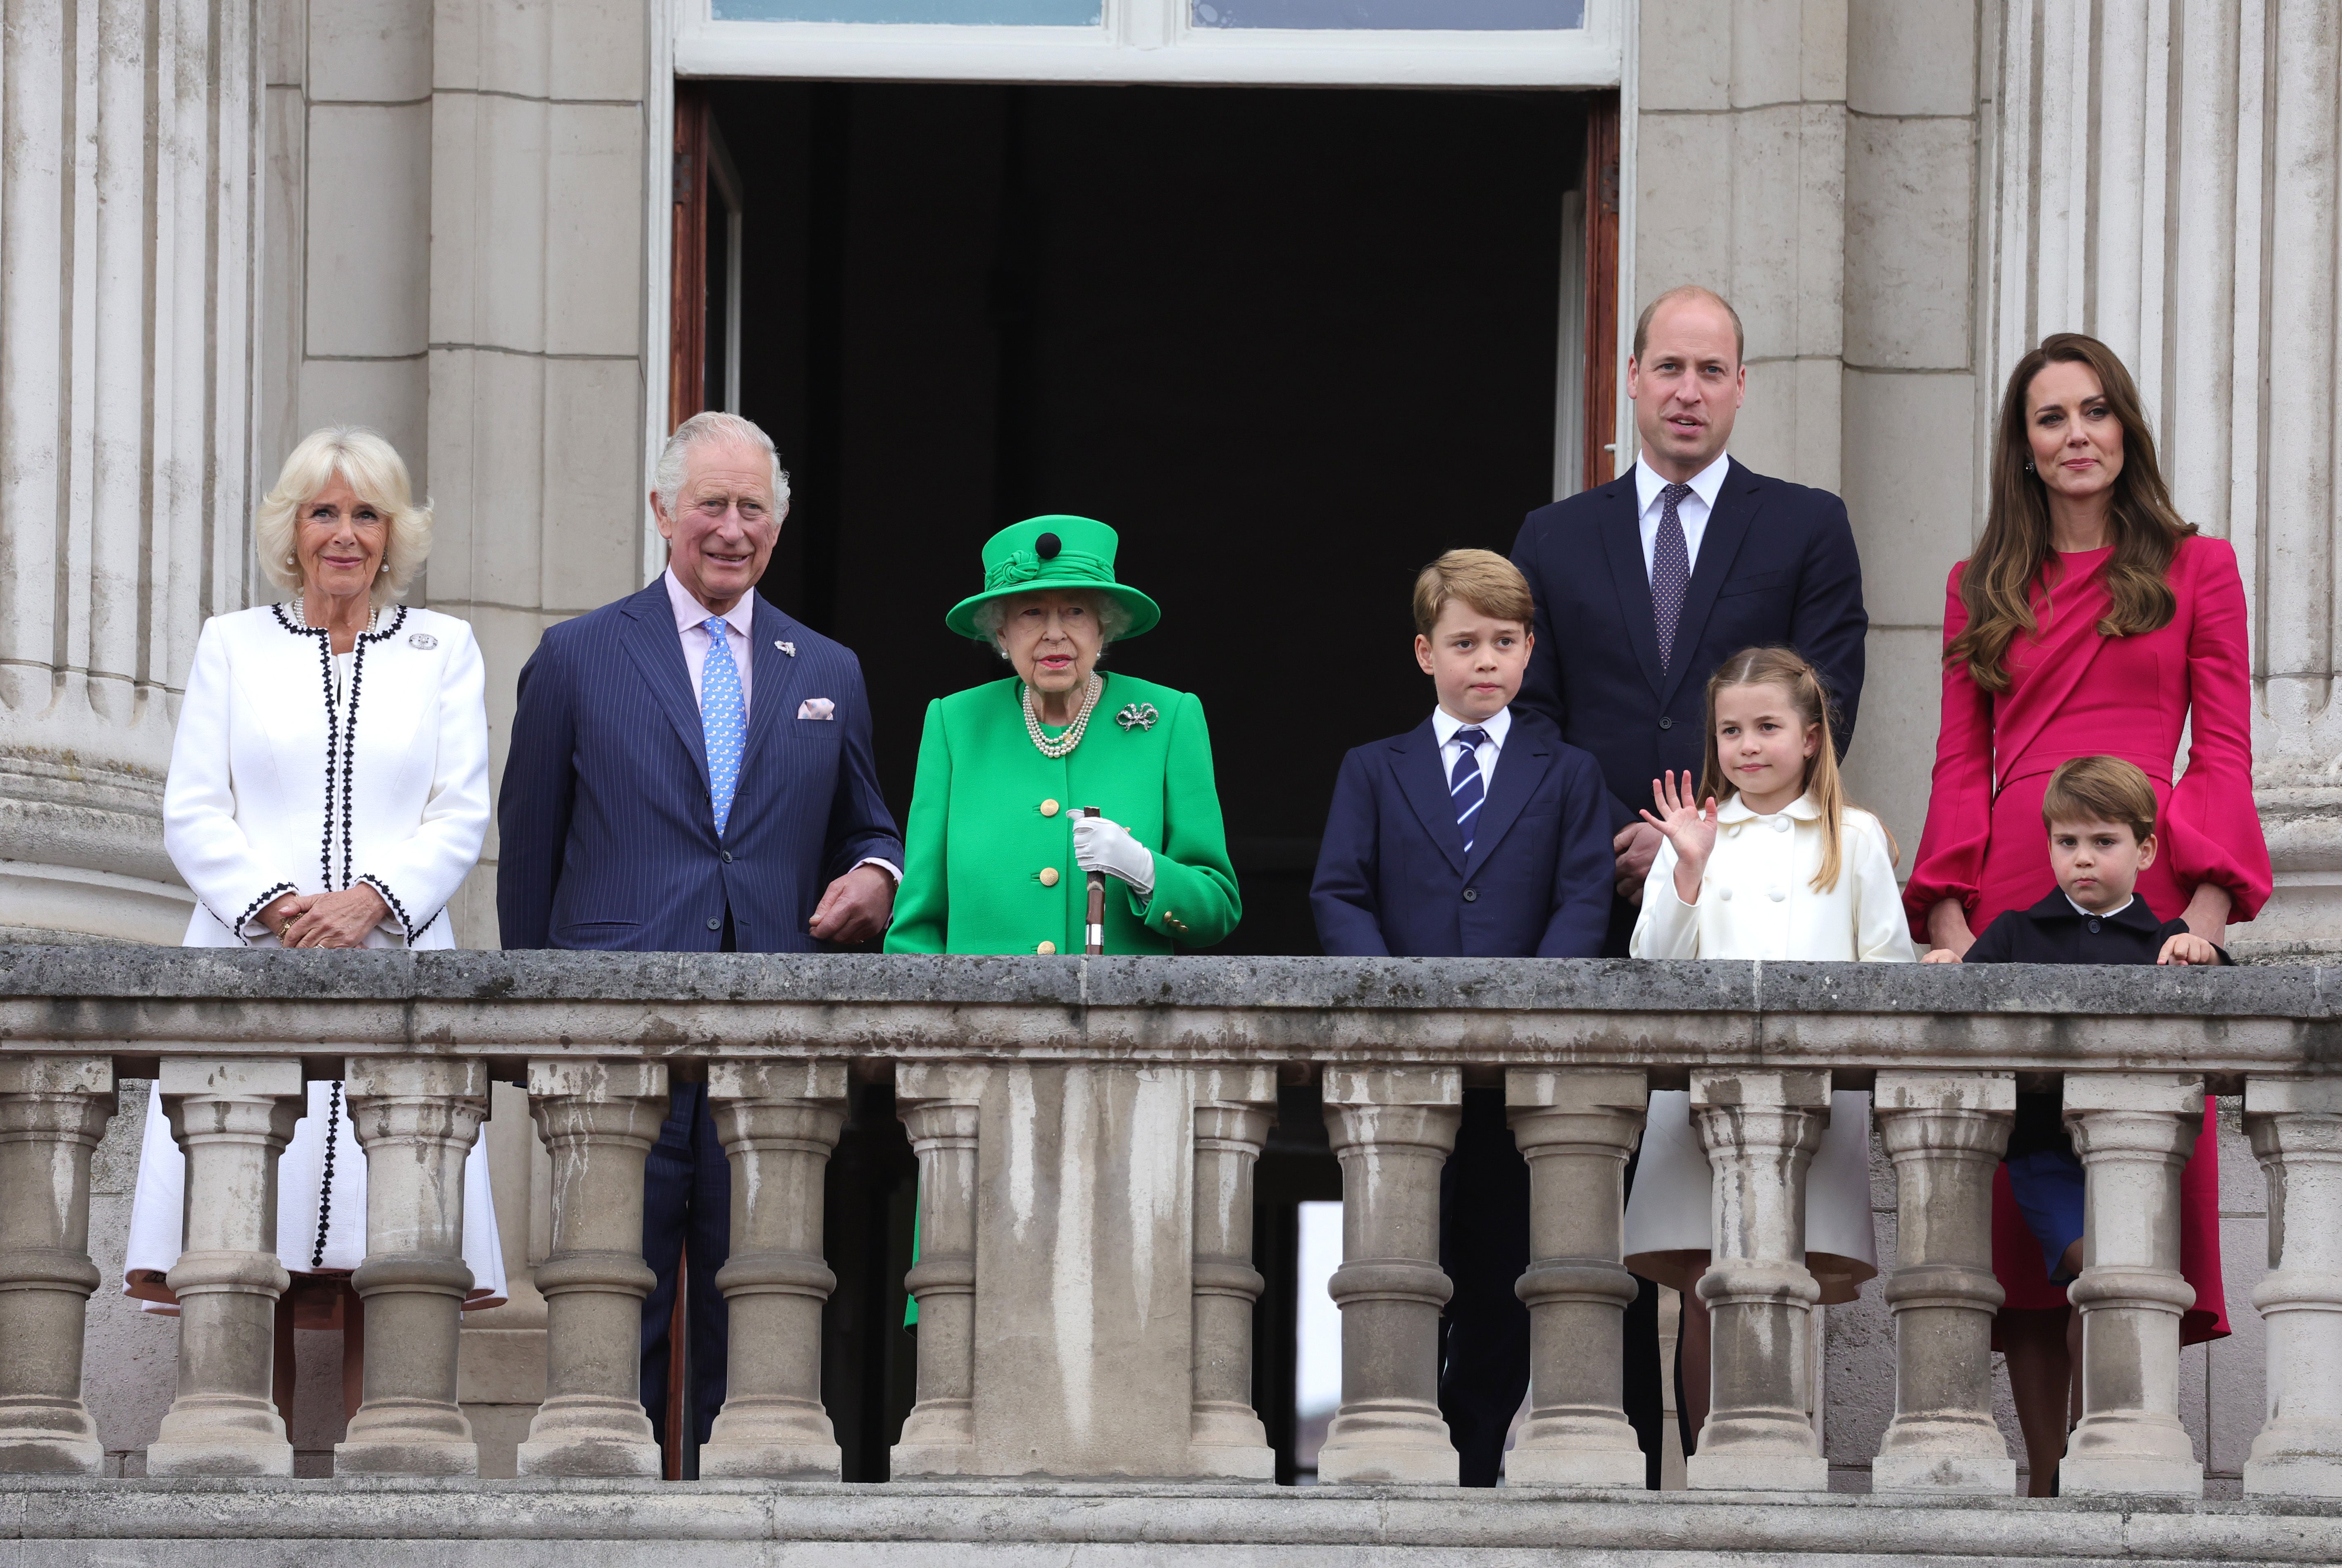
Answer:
(997, 848)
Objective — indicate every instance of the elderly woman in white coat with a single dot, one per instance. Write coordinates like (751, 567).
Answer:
(328, 788)
(1783, 869)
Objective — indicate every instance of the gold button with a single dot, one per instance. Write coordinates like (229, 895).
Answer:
(1048, 876)
(1045, 949)
(1049, 808)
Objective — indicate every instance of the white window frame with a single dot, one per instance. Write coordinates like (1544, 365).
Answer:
(1144, 41)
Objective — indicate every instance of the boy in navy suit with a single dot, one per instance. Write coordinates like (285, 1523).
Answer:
(1478, 833)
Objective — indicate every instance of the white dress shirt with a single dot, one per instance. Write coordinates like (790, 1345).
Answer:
(691, 624)
(1446, 724)
(1691, 511)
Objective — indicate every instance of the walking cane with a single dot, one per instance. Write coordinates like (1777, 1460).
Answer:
(1094, 940)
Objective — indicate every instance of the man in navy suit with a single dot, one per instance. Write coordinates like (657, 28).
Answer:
(1479, 834)
(1645, 584)
(691, 771)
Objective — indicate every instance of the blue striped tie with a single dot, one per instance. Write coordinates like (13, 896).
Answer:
(722, 719)
(1464, 785)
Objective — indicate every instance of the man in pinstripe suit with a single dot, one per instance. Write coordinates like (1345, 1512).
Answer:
(691, 771)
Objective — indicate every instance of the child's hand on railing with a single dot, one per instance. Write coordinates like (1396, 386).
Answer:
(1688, 826)
(1940, 956)
(2187, 948)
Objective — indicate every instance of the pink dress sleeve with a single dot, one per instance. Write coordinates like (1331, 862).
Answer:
(1950, 861)
(2211, 830)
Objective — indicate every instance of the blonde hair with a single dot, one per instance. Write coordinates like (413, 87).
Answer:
(375, 470)
(2100, 789)
(1793, 674)
(1483, 579)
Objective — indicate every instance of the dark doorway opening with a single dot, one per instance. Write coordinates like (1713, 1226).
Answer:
(1291, 344)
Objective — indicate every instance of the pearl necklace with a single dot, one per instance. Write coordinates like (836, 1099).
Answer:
(1064, 744)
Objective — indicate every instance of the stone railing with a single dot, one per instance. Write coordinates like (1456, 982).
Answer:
(1087, 1132)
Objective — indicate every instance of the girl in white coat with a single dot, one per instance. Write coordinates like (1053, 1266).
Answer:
(1783, 869)
(328, 788)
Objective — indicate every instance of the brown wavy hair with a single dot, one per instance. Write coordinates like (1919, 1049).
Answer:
(1997, 585)
(1793, 674)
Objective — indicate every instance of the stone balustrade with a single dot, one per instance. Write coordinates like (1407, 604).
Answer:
(1087, 1132)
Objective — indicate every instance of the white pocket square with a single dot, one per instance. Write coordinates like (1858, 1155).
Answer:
(817, 708)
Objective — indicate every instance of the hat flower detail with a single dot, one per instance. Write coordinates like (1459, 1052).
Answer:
(1137, 716)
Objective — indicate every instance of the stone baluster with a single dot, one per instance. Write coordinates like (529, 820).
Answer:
(778, 1122)
(233, 1117)
(417, 1118)
(1576, 1126)
(1945, 1132)
(939, 1104)
(598, 1120)
(1235, 1107)
(2134, 1132)
(1391, 1128)
(2296, 1131)
(53, 1110)
(1760, 1128)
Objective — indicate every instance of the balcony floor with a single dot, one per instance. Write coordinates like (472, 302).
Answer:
(377, 1523)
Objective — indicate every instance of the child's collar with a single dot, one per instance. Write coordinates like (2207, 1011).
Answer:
(1737, 810)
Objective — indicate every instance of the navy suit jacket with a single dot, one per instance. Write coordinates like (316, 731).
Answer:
(607, 837)
(1777, 565)
(1393, 879)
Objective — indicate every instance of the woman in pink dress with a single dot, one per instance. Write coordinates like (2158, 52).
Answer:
(2091, 621)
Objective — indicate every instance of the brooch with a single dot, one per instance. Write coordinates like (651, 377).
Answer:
(788, 648)
(1137, 716)
(423, 640)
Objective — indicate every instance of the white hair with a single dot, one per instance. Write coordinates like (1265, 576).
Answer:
(373, 469)
(1112, 615)
(703, 429)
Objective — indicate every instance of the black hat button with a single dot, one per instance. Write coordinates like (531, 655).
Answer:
(1047, 545)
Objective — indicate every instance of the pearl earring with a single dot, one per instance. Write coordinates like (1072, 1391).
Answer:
(386, 566)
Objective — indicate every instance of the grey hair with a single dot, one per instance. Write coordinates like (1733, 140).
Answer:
(378, 474)
(702, 429)
(1112, 616)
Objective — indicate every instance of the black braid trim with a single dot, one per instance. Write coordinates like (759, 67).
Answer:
(350, 737)
(235, 927)
(325, 1186)
(396, 908)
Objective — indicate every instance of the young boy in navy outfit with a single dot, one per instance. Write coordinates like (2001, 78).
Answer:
(1478, 833)
(2100, 816)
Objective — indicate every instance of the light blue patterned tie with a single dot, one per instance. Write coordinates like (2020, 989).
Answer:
(723, 717)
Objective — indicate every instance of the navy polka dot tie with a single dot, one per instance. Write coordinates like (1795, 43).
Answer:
(1670, 572)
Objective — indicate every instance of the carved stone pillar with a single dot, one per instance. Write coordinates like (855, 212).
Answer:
(53, 1110)
(1235, 1107)
(1391, 1128)
(1946, 1133)
(1576, 1127)
(233, 1117)
(1760, 1129)
(599, 1120)
(417, 1118)
(778, 1122)
(2134, 1132)
(940, 1104)
(2296, 1131)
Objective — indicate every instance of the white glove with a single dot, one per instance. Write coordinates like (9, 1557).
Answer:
(1102, 844)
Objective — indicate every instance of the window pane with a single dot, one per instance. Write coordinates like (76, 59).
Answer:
(972, 12)
(1474, 15)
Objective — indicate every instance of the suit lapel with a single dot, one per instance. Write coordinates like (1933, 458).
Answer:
(1425, 784)
(1728, 524)
(652, 642)
(1622, 542)
(1522, 762)
(772, 699)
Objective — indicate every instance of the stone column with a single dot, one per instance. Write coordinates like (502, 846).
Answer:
(1391, 1128)
(234, 1117)
(1576, 1126)
(417, 1118)
(2134, 1131)
(1945, 1132)
(941, 1104)
(2296, 1131)
(1235, 1107)
(1761, 1129)
(778, 1122)
(599, 1120)
(53, 1110)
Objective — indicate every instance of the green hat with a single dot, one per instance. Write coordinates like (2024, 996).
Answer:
(1054, 552)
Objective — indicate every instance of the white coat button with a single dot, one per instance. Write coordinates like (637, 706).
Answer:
(1725, 894)
(1777, 894)
(1781, 823)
